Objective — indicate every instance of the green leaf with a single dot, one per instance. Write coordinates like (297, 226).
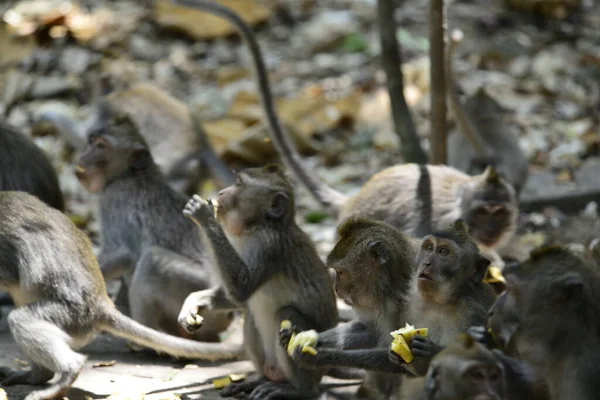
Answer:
(314, 217)
(355, 43)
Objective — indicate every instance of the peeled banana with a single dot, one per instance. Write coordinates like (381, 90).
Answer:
(306, 339)
(402, 338)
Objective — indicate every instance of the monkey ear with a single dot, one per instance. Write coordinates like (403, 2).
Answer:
(571, 287)
(481, 267)
(279, 205)
(461, 228)
(140, 158)
(491, 175)
(377, 251)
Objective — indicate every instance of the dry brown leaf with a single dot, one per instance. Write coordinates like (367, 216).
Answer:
(104, 364)
(202, 25)
(228, 74)
(14, 48)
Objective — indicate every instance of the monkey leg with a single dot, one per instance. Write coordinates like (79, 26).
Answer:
(301, 383)
(160, 284)
(40, 330)
(114, 264)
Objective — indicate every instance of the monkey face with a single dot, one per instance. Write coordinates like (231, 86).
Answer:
(489, 222)
(260, 195)
(439, 266)
(466, 372)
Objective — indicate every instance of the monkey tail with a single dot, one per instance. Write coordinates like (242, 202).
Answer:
(330, 198)
(119, 325)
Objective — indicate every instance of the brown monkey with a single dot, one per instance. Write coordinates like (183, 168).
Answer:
(485, 139)
(414, 198)
(465, 370)
(272, 270)
(51, 273)
(549, 318)
(444, 291)
(144, 236)
(175, 136)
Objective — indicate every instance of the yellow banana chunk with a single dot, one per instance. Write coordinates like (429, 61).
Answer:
(306, 340)
(220, 383)
(79, 168)
(286, 324)
(400, 347)
(409, 332)
(3, 395)
(402, 337)
(215, 205)
(494, 275)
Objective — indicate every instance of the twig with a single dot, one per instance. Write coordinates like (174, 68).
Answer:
(439, 125)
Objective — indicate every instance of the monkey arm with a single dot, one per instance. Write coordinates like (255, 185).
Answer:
(347, 336)
(376, 360)
(114, 264)
(238, 281)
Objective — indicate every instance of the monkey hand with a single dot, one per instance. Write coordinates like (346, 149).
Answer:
(199, 210)
(481, 334)
(190, 317)
(422, 347)
(285, 335)
(305, 359)
(395, 358)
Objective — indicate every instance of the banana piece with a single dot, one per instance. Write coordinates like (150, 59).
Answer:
(306, 339)
(402, 338)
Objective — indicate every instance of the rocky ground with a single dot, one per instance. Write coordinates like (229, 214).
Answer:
(324, 66)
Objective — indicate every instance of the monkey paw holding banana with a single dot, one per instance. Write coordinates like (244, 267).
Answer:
(199, 209)
(190, 317)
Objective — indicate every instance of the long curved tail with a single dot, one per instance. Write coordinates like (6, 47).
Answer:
(119, 325)
(330, 198)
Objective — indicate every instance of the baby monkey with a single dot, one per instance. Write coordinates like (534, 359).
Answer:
(47, 266)
(466, 370)
(271, 270)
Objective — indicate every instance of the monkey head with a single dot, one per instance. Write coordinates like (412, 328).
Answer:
(550, 301)
(260, 196)
(114, 148)
(448, 262)
(489, 206)
(373, 264)
(465, 370)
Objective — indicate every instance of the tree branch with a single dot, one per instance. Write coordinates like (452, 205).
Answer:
(439, 124)
(391, 63)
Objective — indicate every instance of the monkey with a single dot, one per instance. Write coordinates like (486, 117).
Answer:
(486, 201)
(174, 133)
(270, 267)
(465, 370)
(485, 139)
(24, 166)
(441, 289)
(144, 236)
(48, 267)
(549, 319)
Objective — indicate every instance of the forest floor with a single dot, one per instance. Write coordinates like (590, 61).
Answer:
(323, 58)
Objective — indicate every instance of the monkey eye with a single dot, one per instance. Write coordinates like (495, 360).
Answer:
(429, 247)
(476, 374)
(444, 251)
(494, 375)
(340, 273)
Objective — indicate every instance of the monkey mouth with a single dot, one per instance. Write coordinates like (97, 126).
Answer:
(425, 277)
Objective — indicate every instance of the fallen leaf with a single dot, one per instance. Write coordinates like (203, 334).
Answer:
(202, 25)
(104, 364)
